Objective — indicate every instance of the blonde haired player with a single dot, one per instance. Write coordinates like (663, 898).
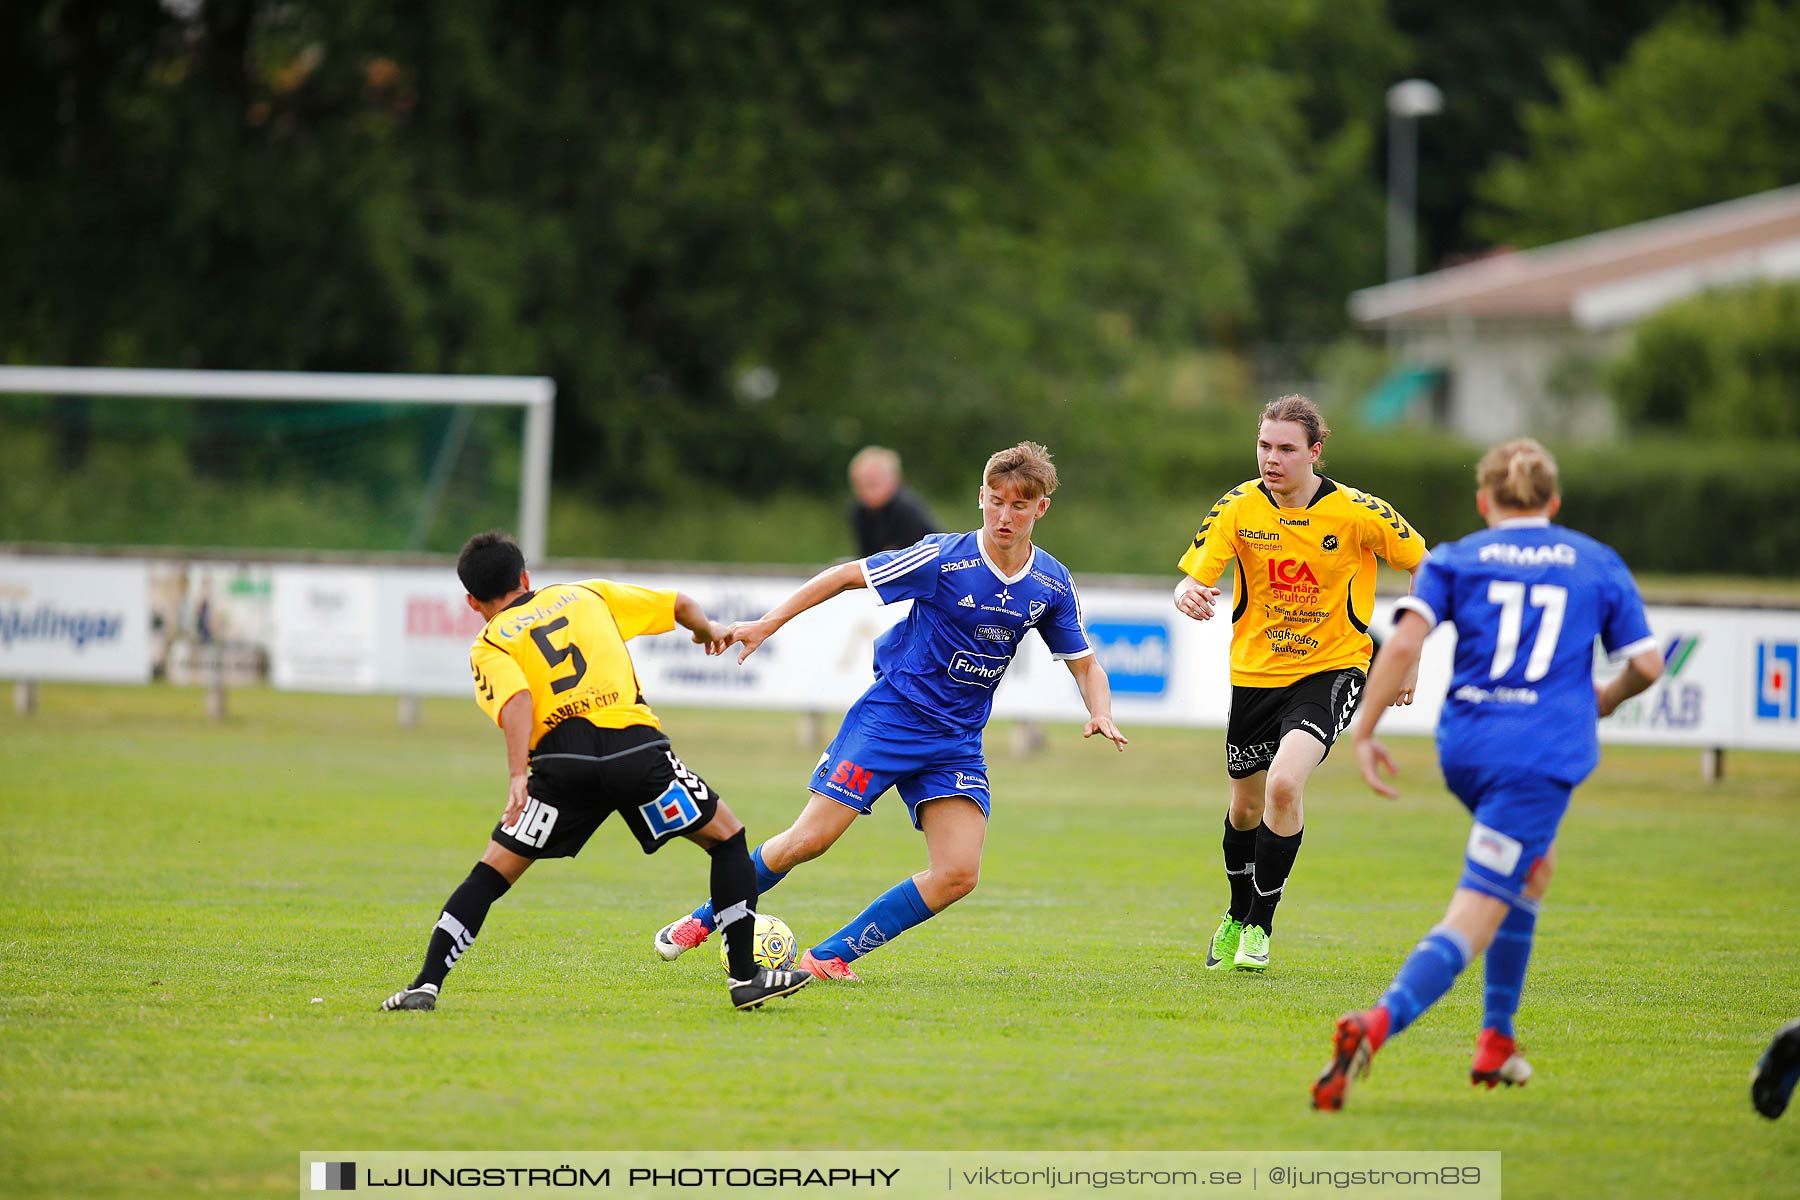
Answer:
(1305, 548)
(918, 728)
(1516, 736)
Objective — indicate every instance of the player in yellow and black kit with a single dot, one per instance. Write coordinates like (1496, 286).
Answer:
(1304, 586)
(552, 671)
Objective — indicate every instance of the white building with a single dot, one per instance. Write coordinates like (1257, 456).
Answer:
(1519, 337)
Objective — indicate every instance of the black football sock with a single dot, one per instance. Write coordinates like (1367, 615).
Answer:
(1274, 859)
(734, 900)
(1240, 865)
(455, 931)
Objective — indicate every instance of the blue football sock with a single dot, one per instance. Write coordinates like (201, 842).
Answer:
(1506, 960)
(894, 912)
(765, 882)
(1425, 976)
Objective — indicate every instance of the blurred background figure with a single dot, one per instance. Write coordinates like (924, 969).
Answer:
(1777, 1071)
(885, 515)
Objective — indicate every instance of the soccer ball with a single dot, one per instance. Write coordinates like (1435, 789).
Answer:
(774, 948)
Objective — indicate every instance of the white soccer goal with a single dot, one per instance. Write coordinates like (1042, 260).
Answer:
(535, 394)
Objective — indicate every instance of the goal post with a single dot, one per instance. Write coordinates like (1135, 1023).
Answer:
(536, 395)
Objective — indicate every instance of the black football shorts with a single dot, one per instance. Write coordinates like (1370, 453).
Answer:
(580, 776)
(1321, 704)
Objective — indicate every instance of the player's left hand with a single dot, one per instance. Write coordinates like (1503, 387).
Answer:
(712, 637)
(1106, 729)
(1370, 755)
(1407, 687)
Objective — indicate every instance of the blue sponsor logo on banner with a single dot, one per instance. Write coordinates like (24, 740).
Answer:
(1136, 655)
(1777, 691)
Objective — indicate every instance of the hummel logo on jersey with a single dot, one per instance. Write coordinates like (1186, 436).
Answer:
(966, 602)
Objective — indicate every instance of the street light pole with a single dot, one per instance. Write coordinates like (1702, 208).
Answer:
(1407, 101)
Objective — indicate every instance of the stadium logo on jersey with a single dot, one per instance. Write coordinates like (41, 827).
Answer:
(1285, 574)
(966, 602)
(1259, 535)
(1330, 542)
(1777, 695)
(1136, 655)
(993, 633)
(670, 812)
(961, 564)
(982, 670)
(852, 778)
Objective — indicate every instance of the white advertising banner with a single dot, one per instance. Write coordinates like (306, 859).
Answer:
(86, 620)
(1729, 676)
(326, 630)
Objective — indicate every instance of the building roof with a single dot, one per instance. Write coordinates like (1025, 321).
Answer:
(1608, 278)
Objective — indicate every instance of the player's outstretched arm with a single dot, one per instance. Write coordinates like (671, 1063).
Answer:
(1195, 599)
(821, 587)
(691, 617)
(1096, 693)
(1395, 666)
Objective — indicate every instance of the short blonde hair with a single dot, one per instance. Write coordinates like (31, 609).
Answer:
(879, 456)
(1027, 466)
(1302, 412)
(1518, 474)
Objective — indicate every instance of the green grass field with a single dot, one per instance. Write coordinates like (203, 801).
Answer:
(198, 921)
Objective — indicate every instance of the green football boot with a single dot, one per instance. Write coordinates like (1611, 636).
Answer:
(1224, 945)
(1252, 950)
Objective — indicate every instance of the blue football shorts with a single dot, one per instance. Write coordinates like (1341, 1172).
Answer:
(885, 743)
(1516, 818)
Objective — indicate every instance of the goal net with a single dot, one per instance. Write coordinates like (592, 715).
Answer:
(272, 460)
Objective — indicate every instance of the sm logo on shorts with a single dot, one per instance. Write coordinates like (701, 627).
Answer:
(670, 812)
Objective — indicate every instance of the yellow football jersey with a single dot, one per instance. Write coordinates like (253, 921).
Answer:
(1305, 577)
(565, 644)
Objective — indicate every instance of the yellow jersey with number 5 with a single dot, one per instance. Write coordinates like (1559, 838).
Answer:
(1305, 579)
(565, 644)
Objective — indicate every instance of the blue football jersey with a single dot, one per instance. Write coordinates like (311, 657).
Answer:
(967, 619)
(1528, 598)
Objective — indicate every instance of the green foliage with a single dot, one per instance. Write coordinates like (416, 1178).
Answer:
(934, 222)
(1725, 362)
(1697, 113)
(172, 1030)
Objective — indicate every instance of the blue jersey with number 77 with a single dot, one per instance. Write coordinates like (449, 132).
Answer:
(1527, 599)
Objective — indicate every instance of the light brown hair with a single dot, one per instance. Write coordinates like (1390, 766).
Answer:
(1027, 466)
(1302, 412)
(1518, 474)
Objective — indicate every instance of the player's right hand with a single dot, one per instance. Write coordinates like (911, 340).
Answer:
(1371, 755)
(1196, 600)
(748, 634)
